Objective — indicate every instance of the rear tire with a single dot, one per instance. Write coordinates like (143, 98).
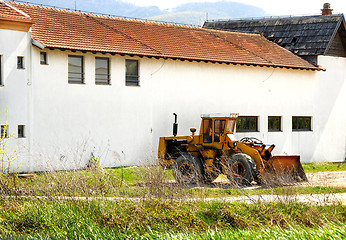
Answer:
(241, 169)
(188, 169)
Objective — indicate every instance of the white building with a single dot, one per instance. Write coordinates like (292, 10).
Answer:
(77, 85)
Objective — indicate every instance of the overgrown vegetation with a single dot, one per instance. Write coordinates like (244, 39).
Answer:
(146, 203)
(140, 219)
(142, 182)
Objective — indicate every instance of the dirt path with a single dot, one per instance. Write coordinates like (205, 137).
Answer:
(327, 179)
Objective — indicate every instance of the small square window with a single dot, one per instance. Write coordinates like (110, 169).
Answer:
(43, 58)
(247, 124)
(132, 77)
(301, 124)
(274, 124)
(20, 62)
(4, 131)
(21, 133)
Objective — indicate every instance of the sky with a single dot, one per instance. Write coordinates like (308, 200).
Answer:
(272, 7)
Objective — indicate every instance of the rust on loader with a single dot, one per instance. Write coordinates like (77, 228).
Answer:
(201, 158)
(287, 166)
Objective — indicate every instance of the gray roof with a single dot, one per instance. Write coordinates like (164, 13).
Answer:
(303, 35)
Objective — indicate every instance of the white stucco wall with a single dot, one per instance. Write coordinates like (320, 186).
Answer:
(330, 107)
(65, 122)
(249, 91)
(73, 120)
(14, 91)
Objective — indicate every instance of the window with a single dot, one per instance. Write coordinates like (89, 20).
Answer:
(132, 78)
(75, 69)
(4, 131)
(274, 124)
(301, 124)
(21, 133)
(247, 124)
(219, 126)
(102, 75)
(20, 62)
(207, 131)
(43, 58)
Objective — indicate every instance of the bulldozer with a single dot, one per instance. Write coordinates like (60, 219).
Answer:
(202, 158)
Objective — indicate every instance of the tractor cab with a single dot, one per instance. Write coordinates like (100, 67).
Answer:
(215, 127)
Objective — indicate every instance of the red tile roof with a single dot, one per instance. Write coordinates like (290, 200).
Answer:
(8, 12)
(64, 29)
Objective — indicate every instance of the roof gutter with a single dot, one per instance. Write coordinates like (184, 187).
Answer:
(37, 44)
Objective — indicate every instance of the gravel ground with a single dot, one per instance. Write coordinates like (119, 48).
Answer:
(328, 179)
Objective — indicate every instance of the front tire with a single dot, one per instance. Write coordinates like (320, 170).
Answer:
(188, 169)
(241, 169)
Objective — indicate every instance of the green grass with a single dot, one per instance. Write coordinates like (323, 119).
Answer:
(334, 231)
(162, 219)
(323, 167)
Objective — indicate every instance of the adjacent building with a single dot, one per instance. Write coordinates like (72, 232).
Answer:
(320, 39)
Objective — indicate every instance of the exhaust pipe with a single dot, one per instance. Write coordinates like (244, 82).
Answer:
(175, 125)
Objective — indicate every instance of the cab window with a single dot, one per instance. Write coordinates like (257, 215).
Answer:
(219, 127)
(230, 126)
(207, 131)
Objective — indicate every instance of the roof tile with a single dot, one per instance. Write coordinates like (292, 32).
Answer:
(87, 32)
(7, 11)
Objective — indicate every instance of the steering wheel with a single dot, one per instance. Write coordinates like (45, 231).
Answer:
(251, 140)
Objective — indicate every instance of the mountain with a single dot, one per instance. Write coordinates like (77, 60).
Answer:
(188, 13)
(197, 13)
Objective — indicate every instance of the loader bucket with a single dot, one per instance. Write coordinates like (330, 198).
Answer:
(287, 168)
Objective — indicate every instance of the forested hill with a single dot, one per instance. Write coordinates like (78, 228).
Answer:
(189, 13)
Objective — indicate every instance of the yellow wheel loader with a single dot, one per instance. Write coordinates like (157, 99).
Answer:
(201, 158)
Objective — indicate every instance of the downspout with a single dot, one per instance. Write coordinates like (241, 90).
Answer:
(30, 104)
(30, 101)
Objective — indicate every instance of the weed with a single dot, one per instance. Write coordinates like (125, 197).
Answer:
(323, 166)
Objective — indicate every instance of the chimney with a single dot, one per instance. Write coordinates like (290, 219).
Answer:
(326, 9)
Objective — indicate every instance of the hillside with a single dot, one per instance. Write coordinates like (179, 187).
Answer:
(189, 13)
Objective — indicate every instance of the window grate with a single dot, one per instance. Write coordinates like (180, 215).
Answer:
(247, 124)
(274, 124)
(301, 123)
(132, 75)
(75, 69)
(102, 71)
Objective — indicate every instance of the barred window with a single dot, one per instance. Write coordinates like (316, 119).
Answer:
(132, 77)
(301, 123)
(75, 69)
(102, 75)
(274, 124)
(247, 124)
